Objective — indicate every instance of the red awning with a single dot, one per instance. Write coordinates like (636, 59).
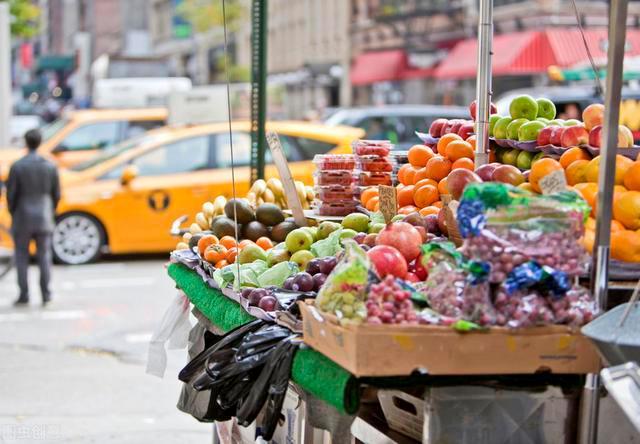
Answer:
(380, 66)
(531, 52)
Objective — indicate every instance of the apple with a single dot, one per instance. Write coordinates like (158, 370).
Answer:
(493, 119)
(537, 157)
(436, 127)
(626, 134)
(625, 137)
(558, 122)
(388, 261)
(595, 136)
(402, 236)
(572, 122)
(523, 106)
(508, 174)
(485, 172)
(455, 126)
(529, 131)
(458, 179)
(466, 130)
(510, 157)
(543, 120)
(546, 108)
(524, 160)
(514, 126)
(473, 109)
(593, 115)
(556, 135)
(442, 222)
(574, 136)
(544, 136)
(500, 128)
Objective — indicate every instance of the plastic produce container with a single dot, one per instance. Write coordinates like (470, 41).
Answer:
(375, 164)
(335, 193)
(333, 177)
(334, 161)
(336, 208)
(380, 148)
(368, 178)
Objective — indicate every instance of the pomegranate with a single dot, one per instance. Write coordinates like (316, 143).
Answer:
(402, 236)
(387, 260)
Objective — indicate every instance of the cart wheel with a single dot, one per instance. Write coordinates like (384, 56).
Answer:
(77, 239)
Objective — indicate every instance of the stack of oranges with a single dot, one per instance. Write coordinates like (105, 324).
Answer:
(224, 251)
(424, 179)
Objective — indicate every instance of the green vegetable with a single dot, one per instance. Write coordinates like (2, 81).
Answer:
(329, 246)
(277, 274)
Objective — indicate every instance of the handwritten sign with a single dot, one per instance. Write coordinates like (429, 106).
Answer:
(388, 202)
(554, 182)
(287, 179)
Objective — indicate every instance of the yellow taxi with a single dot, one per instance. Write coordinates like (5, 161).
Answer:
(80, 135)
(125, 199)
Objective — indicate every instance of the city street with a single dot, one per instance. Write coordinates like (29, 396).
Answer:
(75, 371)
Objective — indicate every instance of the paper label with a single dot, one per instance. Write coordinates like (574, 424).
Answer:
(287, 179)
(554, 182)
(388, 202)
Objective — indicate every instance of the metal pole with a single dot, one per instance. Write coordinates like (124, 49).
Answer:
(259, 9)
(483, 82)
(600, 267)
(5, 74)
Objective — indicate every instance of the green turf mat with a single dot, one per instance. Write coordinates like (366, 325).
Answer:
(313, 371)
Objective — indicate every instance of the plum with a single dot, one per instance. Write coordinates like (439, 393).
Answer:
(318, 280)
(268, 303)
(313, 266)
(303, 282)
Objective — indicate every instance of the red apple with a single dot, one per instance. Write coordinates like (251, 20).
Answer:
(556, 135)
(458, 179)
(466, 130)
(573, 136)
(486, 171)
(595, 136)
(625, 137)
(387, 260)
(544, 136)
(411, 277)
(442, 223)
(436, 127)
(452, 126)
(474, 106)
(507, 174)
(423, 233)
(593, 115)
(402, 236)
(419, 269)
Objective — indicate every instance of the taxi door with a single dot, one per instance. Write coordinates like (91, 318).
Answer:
(171, 180)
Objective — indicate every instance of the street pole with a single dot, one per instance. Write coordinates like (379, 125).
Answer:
(606, 179)
(259, 10)
(5, 74)
(483, 81)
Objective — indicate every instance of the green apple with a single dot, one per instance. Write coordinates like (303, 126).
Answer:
(556, 122)
(572, 122)
(514, 126)
(397, 218)
(524, 106)
(493, 119)
(326, 228)
(537, 157)
(376, 228)
(313, 231)
(298, 239)
(543, 120)
(277, 255)
(546, 108)
(251, 253)
(302, 257)
(499, 153)
(529, 131)
(524, 160)
(511, 157)
(500, 128)
(348, 233)
(358, 222)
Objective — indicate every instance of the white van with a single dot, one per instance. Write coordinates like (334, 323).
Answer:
(142, 92)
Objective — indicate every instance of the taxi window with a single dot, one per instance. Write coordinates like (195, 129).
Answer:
(137, 127)
(242, 150)
(92, 137)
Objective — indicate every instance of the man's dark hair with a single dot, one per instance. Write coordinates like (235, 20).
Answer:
(33, 138)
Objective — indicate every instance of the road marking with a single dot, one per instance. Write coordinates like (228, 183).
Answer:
(137, 337)
(43, 316)
(115, 282)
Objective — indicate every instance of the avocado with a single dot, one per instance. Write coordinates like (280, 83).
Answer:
(193, 242)
(244, 210)
(254, 231)
(223, 226)
(280, 231)
(269, 214)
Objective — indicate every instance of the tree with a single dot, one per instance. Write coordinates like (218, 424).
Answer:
(24, 18)
(205, 15)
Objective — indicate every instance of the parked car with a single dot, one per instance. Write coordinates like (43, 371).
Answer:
(395, 123)
(126, 198)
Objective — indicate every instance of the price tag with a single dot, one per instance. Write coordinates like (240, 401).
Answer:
(287, 179)
(388, 202)
(554, 182)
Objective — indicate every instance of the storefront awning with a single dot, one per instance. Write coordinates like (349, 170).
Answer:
(56, 63)
(379, 66)
(531, 52)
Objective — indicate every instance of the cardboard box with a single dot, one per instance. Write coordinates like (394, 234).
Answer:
(394, 350)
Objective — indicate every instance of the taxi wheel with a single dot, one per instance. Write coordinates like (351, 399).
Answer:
(77, 239)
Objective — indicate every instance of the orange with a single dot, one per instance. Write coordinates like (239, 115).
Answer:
(399, 186)
(576, 172)
(623, 165)
(459, 149)
(438, 168)
(590, 224)
(626, 209)
(442, 186)
(444, 141)
(205, 241)
(376, 207)
(625, 245)
(221, 263)
(588, 240)
(589, 192)
(527, 187)
(429, 210)
(632, 177)
(367, 194)
(616, 226)
(232, 253)
(372, 202)
(472, 140)
(407, 209)
(264, 243)
(425, 182)
(419, 155)
(425, 196)
(228, 242)
(401, 172)
(438, 204)
(409, 174)
(215, 253)
(244, 243)
(463, 163)
(421, 174)
(573, 154)
(540, 169)
(405, 196)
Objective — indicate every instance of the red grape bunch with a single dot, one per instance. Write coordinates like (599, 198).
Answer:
(389, 303)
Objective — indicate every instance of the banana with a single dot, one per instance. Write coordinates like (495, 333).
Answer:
(281, 202)
(201, 220)
(208, 209)
(310, 193)
(268, 196)
(302, 193)
(218, 205)
(252, 198)
(258, 187)
(276, 186)
(182, 246)
(186, 237)
(260, 201)
(195, 228)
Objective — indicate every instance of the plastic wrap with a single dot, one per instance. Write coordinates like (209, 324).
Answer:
(577, 307)
(522, 308)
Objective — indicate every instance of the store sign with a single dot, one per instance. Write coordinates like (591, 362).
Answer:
(198, 106)
(388, 202)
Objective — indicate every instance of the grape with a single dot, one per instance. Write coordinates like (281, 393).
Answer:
(256, 296)
(576, 308)
(389, 303)
(246, 292)
(523, 309)
(268, 303)
(288, 283)
(303, 282)
(318, 280)
(359, 238)
(327, 264)
(313, 266)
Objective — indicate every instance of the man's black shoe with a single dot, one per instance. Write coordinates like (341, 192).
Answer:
(46, 301)
(21, 302)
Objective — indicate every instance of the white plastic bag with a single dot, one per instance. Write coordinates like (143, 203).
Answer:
(174, 328)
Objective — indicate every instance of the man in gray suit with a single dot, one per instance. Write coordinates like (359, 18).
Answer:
(33, 192)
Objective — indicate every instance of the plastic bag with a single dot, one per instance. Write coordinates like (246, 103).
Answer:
(576, 308)
(174, 328)
(522, 308)
(506, 227)
(343, 293)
